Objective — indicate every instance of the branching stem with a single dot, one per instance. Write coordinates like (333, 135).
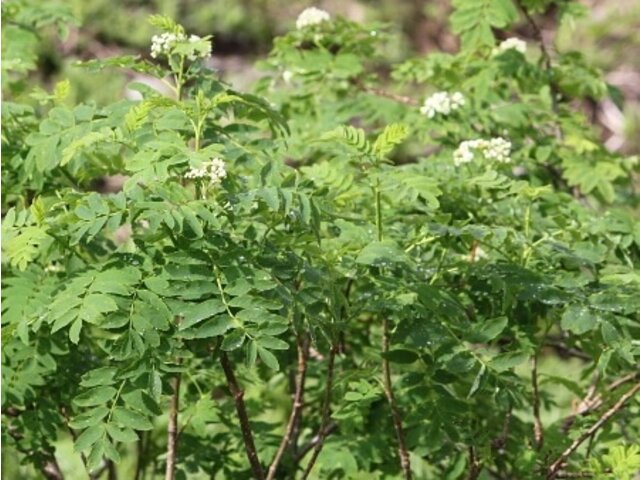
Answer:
(241, 410)
(296, 410)
(555, 467)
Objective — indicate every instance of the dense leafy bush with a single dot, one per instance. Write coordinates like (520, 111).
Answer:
(323, 278)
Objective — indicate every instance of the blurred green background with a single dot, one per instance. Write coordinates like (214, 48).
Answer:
(243, 31)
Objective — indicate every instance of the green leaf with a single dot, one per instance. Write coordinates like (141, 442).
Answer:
(196, 312)
(390, 137)
(128, 418)
(507, 361)
(98, 376)
(125, 435)
(233, 341)
(95, 396)
(218, 325)
(477, 381)
(401, 355)
(272, 343)
(488, 330)
(268, 358)
(578, 319)
(380, 253)
(74, 331)
(90, 418)
(89, 437)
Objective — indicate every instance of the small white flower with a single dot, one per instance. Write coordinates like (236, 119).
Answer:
(477, 254)
(311, 16)
(513, 43)
(442, 103)
(163, 44)
(214, 170)
(497, 149)
(287, 76)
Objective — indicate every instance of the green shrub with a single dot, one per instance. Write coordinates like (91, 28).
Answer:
(324, 278)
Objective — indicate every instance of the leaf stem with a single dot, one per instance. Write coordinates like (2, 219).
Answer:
(378, 196)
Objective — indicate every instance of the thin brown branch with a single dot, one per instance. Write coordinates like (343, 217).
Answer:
(500, 442)
(326, 413)
(112, 472)
(51, 469)
(140, 457)
(307, 447)
(562, 349)
(592, 400)
(557, 465)
(172, 429)
(296, 409)
(395, 412)
(474, 464)
(538, 431)
(379, 92)
(245, 426)
(546, 56)
(73, 435)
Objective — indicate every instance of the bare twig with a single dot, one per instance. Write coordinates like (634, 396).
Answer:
(563, 349)
(557, 465)
(296, 410)
(546, 57)
(592, 400)
(395, 412)
(245, 427)
(538, 432)
(326, 413)
(383, 93)
(172, 430)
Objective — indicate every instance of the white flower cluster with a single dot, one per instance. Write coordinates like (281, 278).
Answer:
(214, 170)
(515, 43)
(311, 16)
(497, 149)
(164, 43)
(442, 103)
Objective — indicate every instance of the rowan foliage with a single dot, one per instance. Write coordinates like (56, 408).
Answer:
(400, 275)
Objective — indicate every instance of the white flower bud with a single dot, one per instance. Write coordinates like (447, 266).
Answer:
(311, 16)
(441, 103)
